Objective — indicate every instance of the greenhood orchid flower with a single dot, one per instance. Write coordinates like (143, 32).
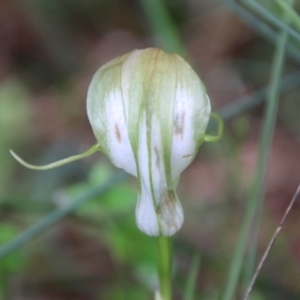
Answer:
(149, 111)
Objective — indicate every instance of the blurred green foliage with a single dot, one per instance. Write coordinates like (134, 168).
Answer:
(114, 212)
(13, 263)
(15, 122)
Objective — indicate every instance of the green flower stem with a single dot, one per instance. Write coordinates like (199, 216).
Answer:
(255, 199)
(164, 266)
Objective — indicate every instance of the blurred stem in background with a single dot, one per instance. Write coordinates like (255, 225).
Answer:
(163, 26)
(57, 215)
(259, 9)
(190, 288)
(164, 266)
(263, 21)
(255, 201)
(288, 10)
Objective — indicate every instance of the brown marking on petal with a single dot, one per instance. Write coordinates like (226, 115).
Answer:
(158, 209)
(169, 218)
(166, 209)
(187, 155)
(166, 202)
(179, 124)
(118, 134)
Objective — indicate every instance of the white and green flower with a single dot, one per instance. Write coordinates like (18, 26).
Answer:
(149, 112)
